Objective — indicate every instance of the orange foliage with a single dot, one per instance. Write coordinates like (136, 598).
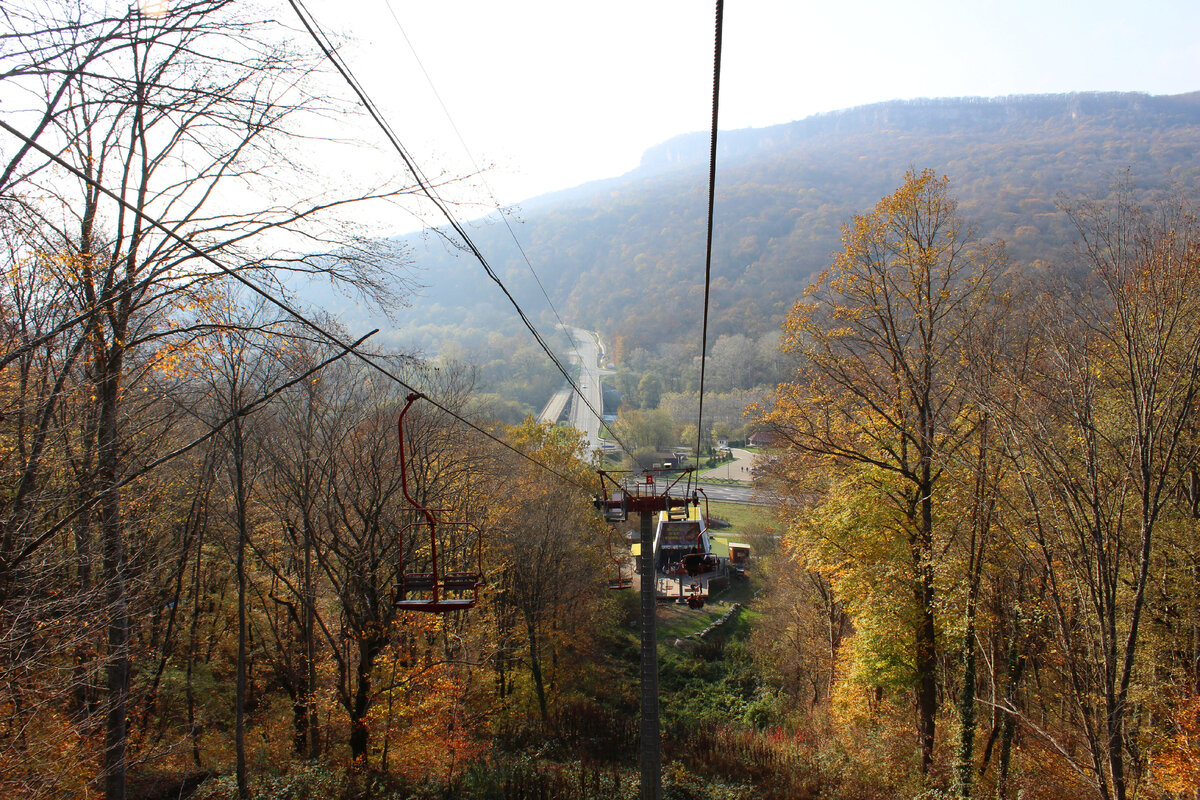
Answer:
(420, 724)
(1176, 765)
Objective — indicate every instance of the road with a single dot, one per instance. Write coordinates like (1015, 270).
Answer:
(556, 406)
(587, 355)
(727, 494)
(741, 468)
(583, 417)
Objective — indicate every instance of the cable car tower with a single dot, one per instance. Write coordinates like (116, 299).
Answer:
(622, 493)
(455, 572)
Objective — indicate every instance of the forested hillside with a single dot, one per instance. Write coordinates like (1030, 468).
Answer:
(625, 256)
(243, 556)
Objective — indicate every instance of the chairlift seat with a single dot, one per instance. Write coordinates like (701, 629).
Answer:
(677, 512)
(442, 578)
(419, 581)
(615, 514)
(442, 604)
(460, 582)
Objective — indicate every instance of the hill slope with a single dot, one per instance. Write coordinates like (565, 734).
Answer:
(625, 256)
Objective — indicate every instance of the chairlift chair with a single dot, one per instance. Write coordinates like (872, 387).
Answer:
(455, 572)
(620, 581)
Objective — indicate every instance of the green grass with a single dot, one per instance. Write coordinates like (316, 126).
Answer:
(677, 621)
(739, 516)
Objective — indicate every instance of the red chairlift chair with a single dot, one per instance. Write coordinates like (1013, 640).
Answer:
(621, 581)
(442, 588)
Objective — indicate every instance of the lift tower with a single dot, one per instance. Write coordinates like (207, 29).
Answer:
(647, 494)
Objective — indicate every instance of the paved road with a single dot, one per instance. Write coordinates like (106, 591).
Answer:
(556, 406)
(740, 469)
(727, 494)
(583, 417)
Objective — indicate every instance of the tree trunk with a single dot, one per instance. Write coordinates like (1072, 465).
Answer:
(116, 599)
(239, 735)
(369, 648)
(1016, 665)
(926, 637)
(926, 653)
(310, 648)
(964, 768)
(535, 668)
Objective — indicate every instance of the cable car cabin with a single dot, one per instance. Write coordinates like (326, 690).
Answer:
(455, 572)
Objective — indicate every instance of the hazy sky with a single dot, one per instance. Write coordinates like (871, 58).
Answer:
(553, 93)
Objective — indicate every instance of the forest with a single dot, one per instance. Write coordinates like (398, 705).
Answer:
(613, 255)
(976, 566)
(992, 491)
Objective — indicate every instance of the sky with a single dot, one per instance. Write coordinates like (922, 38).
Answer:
(549, 94)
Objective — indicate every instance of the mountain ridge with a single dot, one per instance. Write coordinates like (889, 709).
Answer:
(624, 255)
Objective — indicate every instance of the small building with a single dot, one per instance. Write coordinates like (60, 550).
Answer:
(666, 460)
(762, 439)
(729, 552)
(676, 538)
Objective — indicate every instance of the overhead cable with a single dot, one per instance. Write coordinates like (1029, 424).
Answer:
(491, 194)
(284, 306)
(712, 191)
(318, 36)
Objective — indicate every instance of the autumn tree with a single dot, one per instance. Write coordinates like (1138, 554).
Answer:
(126, 193)
(1103, 434)
(802, 627)
(549, 546)
(876, 393)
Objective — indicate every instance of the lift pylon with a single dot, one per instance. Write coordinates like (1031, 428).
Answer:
(644, 493)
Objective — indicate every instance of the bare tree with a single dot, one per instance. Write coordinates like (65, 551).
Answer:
(1102, 436)
(162, 132)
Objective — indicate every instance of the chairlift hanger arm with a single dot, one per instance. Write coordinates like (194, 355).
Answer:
(440, 589)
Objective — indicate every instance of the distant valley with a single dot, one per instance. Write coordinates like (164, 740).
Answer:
(625, 256)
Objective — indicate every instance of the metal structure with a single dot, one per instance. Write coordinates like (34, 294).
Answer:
(623, 493)
(445, 587)
(619, 579)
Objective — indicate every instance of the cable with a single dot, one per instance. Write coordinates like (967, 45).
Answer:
(318, 35)
(331, 337)
(242, 411)
(712, 191)
(424, 184)
(491, 194)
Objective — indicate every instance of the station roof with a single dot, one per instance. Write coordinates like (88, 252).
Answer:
(720, 546)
